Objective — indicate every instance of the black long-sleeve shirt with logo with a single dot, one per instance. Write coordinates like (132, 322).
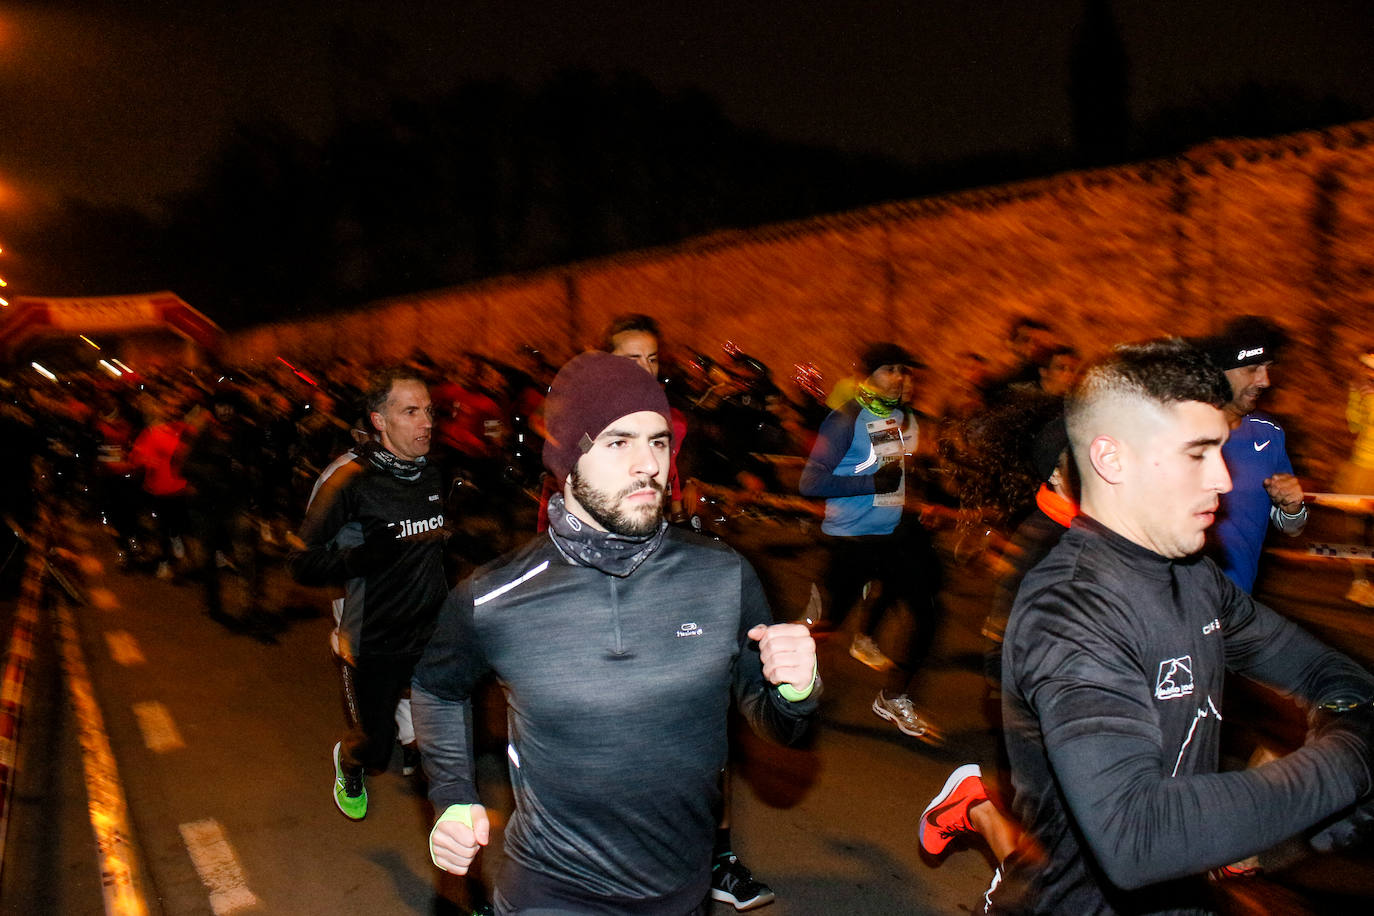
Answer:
(618, 690)
(1113, 667)
(395, 576)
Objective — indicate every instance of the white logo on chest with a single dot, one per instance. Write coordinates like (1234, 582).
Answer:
(1175, 678)
(689, 629)
(407, 527)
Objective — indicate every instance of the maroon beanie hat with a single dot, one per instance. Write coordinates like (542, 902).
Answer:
(590, 392)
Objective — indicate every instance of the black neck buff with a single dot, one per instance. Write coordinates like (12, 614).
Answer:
(614, 554)
(383, 460)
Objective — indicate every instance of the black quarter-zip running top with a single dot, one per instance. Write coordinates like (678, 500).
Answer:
(1113, 666)
(618, 690)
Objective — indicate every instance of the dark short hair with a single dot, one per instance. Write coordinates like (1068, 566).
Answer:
(1166, 372)
(630, 321)
(380, 383)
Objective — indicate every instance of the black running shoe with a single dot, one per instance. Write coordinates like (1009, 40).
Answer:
(732, 883)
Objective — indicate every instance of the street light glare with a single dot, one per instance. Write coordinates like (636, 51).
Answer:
(43, 371)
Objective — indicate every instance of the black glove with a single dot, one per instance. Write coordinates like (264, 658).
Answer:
(888, 477)
(1357, 826)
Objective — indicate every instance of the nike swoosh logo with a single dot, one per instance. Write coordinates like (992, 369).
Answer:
(948, 831)
(1260, 448)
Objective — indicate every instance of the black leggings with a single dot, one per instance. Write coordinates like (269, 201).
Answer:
(371, 690)
(906, 568)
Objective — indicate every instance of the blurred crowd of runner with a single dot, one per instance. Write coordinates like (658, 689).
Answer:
(201, 475)
(203, 469)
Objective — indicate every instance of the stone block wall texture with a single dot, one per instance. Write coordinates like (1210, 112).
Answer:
(1281, 227)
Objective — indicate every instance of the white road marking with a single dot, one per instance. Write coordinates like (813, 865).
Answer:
(159, 731)
(217, 866)
(16, 665)
(124, 648)
(120, 877)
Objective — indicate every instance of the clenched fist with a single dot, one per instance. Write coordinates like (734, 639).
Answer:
(1285, 491)
(788, 654)
(458, 836)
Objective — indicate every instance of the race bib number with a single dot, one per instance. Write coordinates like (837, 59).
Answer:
(886, 438)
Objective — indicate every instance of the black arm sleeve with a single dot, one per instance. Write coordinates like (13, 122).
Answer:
(762, 705)
(323, 561)
(1092, 700)
(1271, 649)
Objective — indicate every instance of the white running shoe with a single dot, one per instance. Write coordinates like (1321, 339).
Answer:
(866, 651)
(899, 711)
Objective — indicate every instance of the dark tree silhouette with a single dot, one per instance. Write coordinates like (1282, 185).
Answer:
(1099, 87)
(251, 236)
(407, 194)
(486, 180)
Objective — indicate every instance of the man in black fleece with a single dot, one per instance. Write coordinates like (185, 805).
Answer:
(619, 642)
(376, 527)
(1115, 656)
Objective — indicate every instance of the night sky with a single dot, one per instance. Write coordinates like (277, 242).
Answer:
(123, 102)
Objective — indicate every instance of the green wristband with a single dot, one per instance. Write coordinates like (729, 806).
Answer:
(460, 813)
(793, 695)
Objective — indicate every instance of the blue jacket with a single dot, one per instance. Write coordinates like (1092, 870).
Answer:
(1256, 450)
(840, 469)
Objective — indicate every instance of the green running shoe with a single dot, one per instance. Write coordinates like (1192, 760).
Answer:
(349, 793)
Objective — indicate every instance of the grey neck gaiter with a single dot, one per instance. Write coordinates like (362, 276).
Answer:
(614, 554)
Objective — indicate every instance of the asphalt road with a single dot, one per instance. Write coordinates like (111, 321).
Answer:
(222, 746)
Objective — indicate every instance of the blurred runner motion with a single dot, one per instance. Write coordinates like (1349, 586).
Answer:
(1263, 488)
(1356, 475)
(876, 560)
(158, 453)
(223, 469)
(964, 806)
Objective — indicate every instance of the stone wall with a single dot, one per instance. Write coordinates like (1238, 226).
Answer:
(1281, 227)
